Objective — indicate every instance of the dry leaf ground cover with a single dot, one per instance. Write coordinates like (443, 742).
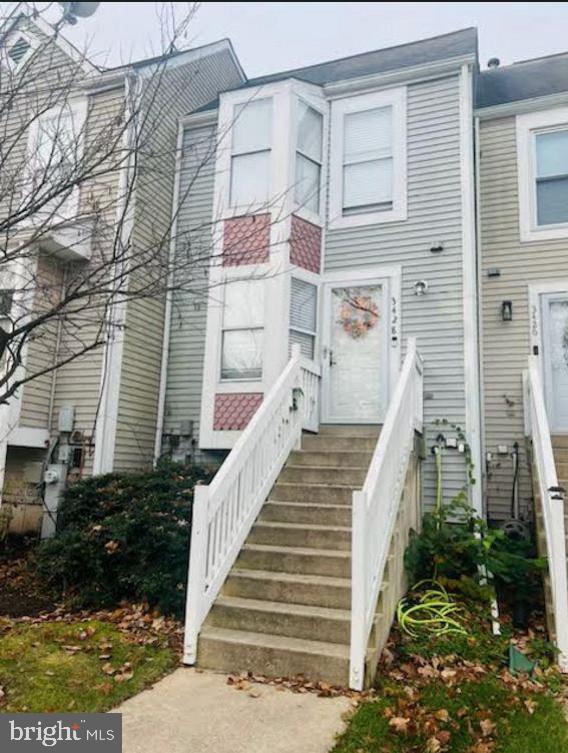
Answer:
(55, 660)
(456, 695)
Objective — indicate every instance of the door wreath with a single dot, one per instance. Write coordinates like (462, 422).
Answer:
(358, 314)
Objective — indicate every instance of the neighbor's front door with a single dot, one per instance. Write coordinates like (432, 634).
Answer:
(555, 359)
(355, 373)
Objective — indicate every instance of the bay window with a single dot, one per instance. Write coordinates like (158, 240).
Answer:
(242, 335)
(368, 159)
(303, 316)
(250, 153)
(309, 135)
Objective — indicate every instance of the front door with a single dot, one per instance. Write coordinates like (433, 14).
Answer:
(355, 370)
(555, 359)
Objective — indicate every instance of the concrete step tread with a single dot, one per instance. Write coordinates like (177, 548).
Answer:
(283, 607)
(278, 642)
(275, 524)
(304, 505)
(270, 548)
(320, 580)
(353, 453)
(292, 466)
(316, 484)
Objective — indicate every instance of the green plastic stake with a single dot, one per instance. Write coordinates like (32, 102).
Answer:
(518, 662)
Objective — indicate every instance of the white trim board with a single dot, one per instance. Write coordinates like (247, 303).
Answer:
(470, 286)
(527, 126)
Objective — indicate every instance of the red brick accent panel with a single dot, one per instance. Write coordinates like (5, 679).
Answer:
(233, 410)
(246, 240)
(305, 244)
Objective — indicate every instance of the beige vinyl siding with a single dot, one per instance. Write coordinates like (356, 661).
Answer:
(78, 383)
(40, 356)
(189, 312)
(434, 214)
(181, 90)
(506, 345)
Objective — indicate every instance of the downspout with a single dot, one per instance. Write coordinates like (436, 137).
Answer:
(169, 294)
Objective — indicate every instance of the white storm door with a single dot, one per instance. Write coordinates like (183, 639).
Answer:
(355, 368)
(555, 359)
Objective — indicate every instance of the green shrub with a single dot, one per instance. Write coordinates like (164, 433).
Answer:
(124, 536)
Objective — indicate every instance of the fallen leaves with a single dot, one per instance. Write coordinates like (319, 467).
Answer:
(487, 727)
(399, 724)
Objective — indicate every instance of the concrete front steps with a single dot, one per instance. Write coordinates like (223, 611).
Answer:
(284, 610)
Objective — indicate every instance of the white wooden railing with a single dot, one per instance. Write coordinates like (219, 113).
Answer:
(224, 511)
(376, 506)
(552, 501)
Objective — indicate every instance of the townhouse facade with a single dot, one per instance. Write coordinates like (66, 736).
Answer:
(377, 259)
(105, 401)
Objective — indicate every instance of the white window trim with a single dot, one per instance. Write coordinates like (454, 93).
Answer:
(395, 98)
(527, 126)
(7, 61)
(305, 275)
(78, 108)
(316, 218)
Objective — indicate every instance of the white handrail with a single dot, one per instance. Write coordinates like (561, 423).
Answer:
(376, 506)
(225, 510)
(552, 500)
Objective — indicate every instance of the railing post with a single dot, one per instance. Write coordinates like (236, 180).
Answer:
(196, 576)
(526, 403)
(358, 600)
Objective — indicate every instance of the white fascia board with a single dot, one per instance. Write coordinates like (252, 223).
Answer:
(521, 106)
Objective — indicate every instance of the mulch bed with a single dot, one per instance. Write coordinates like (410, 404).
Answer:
(20, 593)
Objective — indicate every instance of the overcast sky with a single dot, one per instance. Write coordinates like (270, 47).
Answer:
(276, 36)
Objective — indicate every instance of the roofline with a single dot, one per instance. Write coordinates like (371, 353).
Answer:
(292, 71)
(518, 106)
(24, 9)
(182, 57)
(195, 119)
(409, 73)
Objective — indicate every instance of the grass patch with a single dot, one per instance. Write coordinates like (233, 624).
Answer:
(56, 666)
(450, 718)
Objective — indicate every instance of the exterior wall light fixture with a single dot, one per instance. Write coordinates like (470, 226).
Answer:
(507, 311)
(420, 287)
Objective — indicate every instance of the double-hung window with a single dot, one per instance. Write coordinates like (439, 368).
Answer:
(303, 316)
(250, 153)
(242, 337)
(542, 157)
(368, 159)
(309, 134)
(56, 150)
(551, 178)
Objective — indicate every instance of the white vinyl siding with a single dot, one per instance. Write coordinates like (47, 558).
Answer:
(434, 212)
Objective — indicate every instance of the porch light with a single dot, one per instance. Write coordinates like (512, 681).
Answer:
(507, 311)
(420, 287)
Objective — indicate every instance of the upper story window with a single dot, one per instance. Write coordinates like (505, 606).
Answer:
(55, 152)
(542, 157)
(309, 156)
(250, 153)
(368, 159)
(551, 177)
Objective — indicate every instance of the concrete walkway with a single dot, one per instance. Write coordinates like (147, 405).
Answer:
(197, 712)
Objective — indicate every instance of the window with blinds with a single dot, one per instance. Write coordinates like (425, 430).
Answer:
(309, 127)
(367, 161)
(250, 153)
(303, 316)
